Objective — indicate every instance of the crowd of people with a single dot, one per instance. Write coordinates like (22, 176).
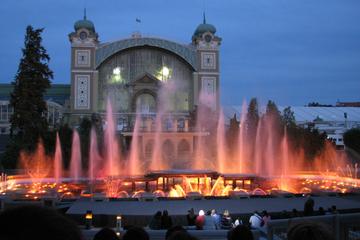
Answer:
(34, 222)
(209, 220)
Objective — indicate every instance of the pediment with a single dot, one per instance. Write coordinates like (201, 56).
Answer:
(147, 79)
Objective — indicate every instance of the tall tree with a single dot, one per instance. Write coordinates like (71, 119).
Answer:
(352, 139)
(252, 118)
(29, 123)
(288, 117)
(31, 82)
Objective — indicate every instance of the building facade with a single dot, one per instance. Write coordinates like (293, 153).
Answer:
(149, 78)
(130, 72)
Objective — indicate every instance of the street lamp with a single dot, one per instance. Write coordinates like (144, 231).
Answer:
(88, 219)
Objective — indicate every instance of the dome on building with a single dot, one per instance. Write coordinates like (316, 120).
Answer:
(204, 27)
(84, 23)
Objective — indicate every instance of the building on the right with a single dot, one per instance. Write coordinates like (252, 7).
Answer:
(334, 121)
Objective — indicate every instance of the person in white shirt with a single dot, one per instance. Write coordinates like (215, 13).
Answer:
(256, 220)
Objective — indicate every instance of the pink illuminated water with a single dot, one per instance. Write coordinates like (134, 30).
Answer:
(112, 148)
(75, 162)
(242, 150)
(58, 160)
(94, 156)
(156, 158)
(221, 143)
(134, 160)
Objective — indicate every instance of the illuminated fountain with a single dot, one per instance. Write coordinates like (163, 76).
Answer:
(265, 165)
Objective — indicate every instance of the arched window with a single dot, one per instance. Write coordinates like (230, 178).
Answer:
(168, 151)
(183, 150)
(145, 103)
(149, 148)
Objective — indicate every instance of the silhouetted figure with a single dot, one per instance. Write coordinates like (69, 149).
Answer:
(106, 234)
(240, 232)
(265, 217)
(226, 222)
(321, 211)
(309, 231)
(155, 222)
(309, 206)
(294, 213)
(136, 233)
(34, 222)
(166, 221)
(191, 217)
(334, 210)
(172, 230)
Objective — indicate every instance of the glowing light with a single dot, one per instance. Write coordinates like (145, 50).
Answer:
(164, 74)
(116, 71)
(116, 77)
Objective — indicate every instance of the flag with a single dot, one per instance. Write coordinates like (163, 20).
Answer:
(138, 20)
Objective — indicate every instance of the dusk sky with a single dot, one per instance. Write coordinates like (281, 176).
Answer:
(290, 51)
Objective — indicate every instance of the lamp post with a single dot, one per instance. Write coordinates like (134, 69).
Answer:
(118, 224)
(88, 219)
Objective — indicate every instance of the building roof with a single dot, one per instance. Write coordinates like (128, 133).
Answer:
(308, 114)
(186, 52)
(58, 93)
(84, 23)
(204, 27)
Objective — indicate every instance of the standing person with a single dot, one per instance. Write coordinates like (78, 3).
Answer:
(309, 206)
(216, 218)
(200, 220)
(209, 221)
(256, 221)
(265, 217)
(226, 222)
(155, 222)
(166, 221)
(191, 217)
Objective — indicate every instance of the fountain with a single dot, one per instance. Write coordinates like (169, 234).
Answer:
(265, 165)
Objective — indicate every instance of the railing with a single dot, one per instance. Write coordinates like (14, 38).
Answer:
(343, 226)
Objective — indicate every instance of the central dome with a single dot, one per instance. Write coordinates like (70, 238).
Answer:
(84, 23)
(204, 27)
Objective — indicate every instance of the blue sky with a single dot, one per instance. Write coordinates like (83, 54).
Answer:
(290, 51)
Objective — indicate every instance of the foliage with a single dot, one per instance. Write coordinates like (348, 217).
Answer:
(232, 133)
(84, 133)
(252, 118)
(65, 136)
(29, 123)
(316, 104)
(352, 139)
(288, 118)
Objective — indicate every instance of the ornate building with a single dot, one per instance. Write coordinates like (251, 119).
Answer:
(144, 75)
(131, 71)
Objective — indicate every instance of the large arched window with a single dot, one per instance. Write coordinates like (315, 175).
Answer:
(145, 103)
(168, 151)
(118, 73)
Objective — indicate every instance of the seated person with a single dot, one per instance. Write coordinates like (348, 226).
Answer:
(34, 222)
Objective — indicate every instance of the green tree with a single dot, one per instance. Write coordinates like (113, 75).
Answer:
(288, 117)
(352, 139)
(252, 118)
(232, 133)
(29, 123)
(84, 133)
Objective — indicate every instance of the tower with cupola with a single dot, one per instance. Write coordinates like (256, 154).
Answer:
(207, 77)
(84, 76)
